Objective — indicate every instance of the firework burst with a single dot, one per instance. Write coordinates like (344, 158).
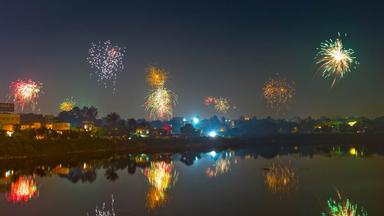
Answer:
(343, 207)
(221, 104)
(67, 105)
(156, 77)
(25, 92)
(334, 60)
(278, 92)
(160, 103)
(107, 60)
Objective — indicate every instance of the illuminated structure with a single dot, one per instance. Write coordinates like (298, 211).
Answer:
(334, 60)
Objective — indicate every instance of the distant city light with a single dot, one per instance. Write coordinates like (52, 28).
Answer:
(212, 153)
(353, 151)
(352, 123)
(212, 134)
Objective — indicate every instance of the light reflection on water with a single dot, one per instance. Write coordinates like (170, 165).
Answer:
(166, 183)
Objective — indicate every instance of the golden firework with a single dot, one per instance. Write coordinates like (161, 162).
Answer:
(68, 104)
(278, 92)
(334, 60)
(156, 77)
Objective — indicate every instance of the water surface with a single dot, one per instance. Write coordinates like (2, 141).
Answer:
(277, 180)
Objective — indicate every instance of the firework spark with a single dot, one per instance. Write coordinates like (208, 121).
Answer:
(221, 104)
(160, 103)
(343, 207)
(278, 92)
(208, 101)
(107, 60)
(67, 105)
(25, 92)
(156, 77)
(23, 190)
(280, 179)
(334, 60)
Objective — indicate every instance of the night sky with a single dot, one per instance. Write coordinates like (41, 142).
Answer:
(218, 48)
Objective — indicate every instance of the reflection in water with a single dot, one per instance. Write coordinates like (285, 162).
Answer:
(104, 211)
(221, 166)
(23, 190)
(161, 177)
(351, 151)
(343, 207)
(280, 179)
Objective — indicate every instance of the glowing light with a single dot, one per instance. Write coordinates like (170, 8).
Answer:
(161, 177)
(352, 123)
(353, 151)
(212, 134)
(107, 60)
(280, 179)
(68, 104)
(278, 92)
(221, 166)
(343, 207)
(160, 102)
(212, 153)
(195, 120)
(23, 190)
(334, 60)
(9, 133)
(156, 77)
(25, 92)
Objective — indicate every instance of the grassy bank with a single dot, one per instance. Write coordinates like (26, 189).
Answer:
(23, 148)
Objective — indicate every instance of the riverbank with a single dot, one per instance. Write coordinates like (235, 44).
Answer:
(19, 149)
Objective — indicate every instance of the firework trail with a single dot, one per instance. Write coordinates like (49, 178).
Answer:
(67, 105)
(25, 92)
(278, 92)
(159, 103)
(107, 60)
(334, 60)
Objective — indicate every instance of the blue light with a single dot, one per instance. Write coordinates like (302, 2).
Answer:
(212, 153)
(184, 119)
(195, 120)
(212, 134)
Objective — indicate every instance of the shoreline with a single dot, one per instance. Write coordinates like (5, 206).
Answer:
(60, 148)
